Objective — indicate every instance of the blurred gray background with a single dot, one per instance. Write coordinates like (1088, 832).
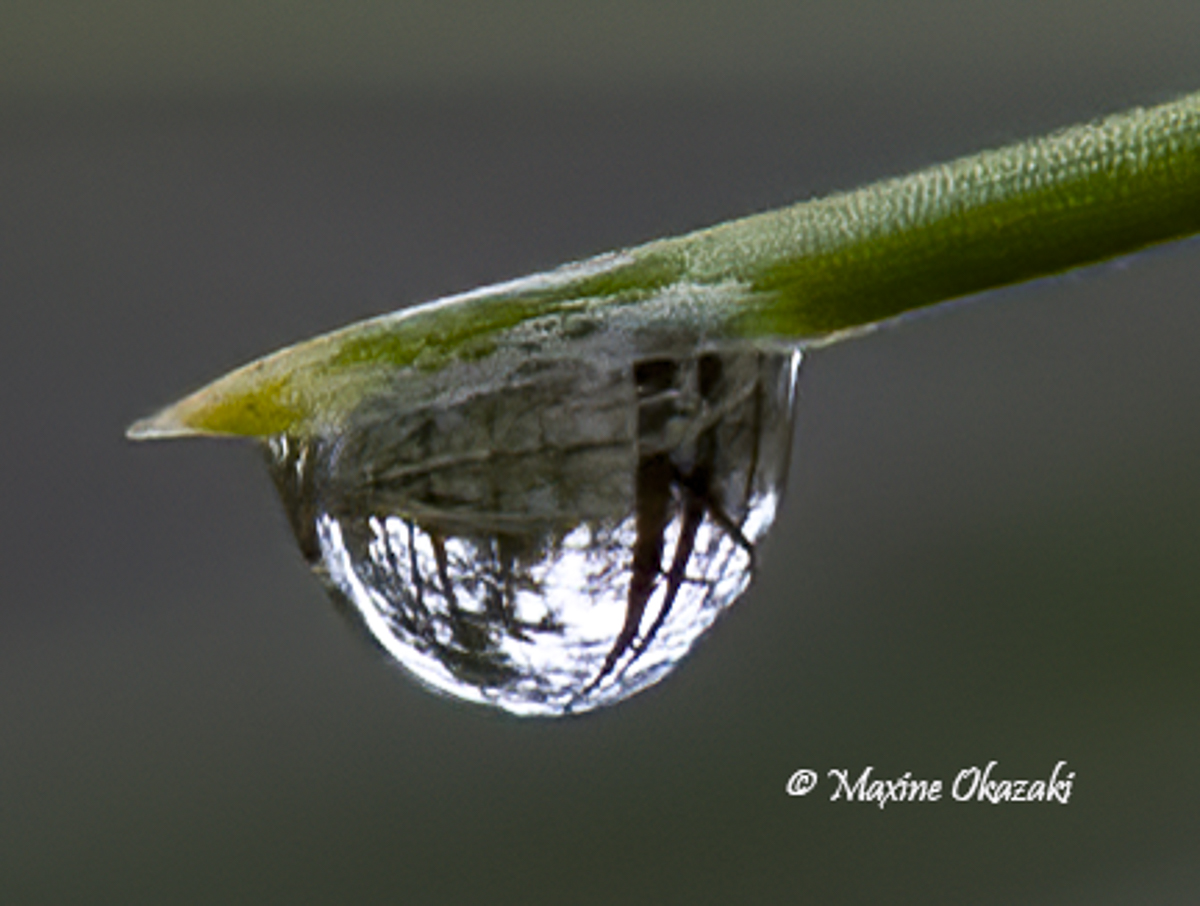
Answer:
(989, 549)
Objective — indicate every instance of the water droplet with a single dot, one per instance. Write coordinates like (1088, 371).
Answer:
(548, 532)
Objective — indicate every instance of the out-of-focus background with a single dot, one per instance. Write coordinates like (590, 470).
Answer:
(990, 548)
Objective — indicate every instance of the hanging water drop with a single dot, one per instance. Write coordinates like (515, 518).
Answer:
(552, 534)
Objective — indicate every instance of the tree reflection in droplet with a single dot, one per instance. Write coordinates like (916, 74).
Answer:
(554, 533)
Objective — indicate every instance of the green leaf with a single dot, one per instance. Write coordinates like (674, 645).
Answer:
(811, 273)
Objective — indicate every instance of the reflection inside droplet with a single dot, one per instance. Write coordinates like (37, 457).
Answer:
(552, 532)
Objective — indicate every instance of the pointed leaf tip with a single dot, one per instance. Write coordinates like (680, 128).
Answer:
(160, 426)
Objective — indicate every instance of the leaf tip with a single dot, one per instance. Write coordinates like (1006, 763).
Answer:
(163, 425)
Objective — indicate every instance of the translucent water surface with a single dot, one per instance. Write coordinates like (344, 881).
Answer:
(549, 533)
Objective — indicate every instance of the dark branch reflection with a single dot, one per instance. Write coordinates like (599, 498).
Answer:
(553, 533)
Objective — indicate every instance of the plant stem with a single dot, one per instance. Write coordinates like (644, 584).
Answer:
(1032, 209)
(809, 272)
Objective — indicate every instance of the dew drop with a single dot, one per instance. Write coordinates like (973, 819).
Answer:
(552, 533)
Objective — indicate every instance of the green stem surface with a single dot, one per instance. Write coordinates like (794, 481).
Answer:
(806, 272)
